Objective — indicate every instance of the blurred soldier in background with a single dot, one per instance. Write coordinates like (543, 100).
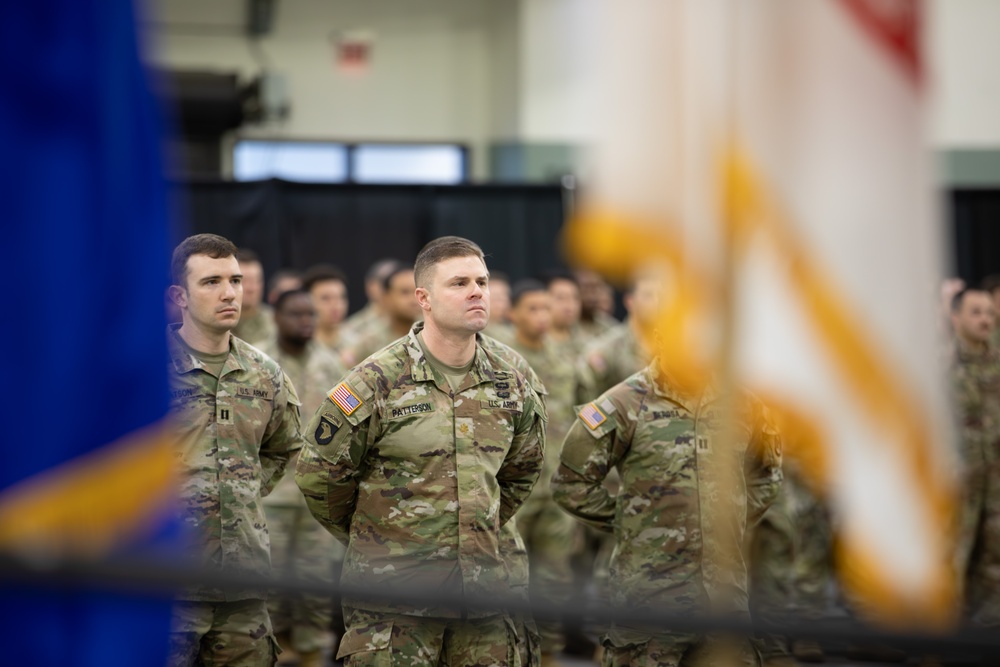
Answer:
(499, 326)
(594, 290)
(565, 331)
(791, 564)
(551, 535)
(399, 311)
(991, 285)
(283, 280)
(975, 375)
(432, 429)
(671, 519)
(358, 323)
(621, 351)
(300, 546)
(235, 416)
(256, 319)
(327, 286)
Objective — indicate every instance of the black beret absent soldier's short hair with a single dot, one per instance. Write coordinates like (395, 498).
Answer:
(213, 245)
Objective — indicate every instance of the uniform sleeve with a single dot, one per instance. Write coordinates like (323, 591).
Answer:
(967, 406)
(523, 464)
(763, 464)
(282, 437)
(588, 454)
(330, 464)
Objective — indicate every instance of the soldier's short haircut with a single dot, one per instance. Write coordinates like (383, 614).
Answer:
(213, 245)
(959, 298)
(439, 250)
(285, 296)
(322, 273)
(378, 269)
(552, 275)
(499, 277)
(526, 286)
(991, 283)
(247, 255)
(396, 270)
(280, 275)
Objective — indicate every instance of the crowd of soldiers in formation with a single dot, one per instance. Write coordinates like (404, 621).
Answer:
(602, 523)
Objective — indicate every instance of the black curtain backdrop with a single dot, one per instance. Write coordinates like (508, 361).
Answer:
(297, 225)
(975, 217)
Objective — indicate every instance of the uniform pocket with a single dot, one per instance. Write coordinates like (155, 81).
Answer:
(369, 646)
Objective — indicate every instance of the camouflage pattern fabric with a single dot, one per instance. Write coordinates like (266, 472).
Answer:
(608, 360)
(237, 634)
(235, 434)
(417, 480)
(671, 552)
(661, 652)
(791, 553)
(601, 324)
(257, 327)
(378, 639)
(300, 546)
(551, 535)
(376, 334)
(359, 321)
(975, 378)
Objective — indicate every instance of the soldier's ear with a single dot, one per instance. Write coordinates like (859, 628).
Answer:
(423, 298)
(177, 295)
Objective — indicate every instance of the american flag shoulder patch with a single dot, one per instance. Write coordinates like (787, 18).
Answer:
(592, 416)
(346, 399)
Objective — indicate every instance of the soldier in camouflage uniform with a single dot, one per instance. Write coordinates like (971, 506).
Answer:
(416, 461)
(594, 321)
(975, 376)
(791, 563)
(327, 286)
(300, 546)
(620, 351)
(669, 520)
(552, 536)
(256, 317)
(400, 311)
(235, 417)
(374, 279)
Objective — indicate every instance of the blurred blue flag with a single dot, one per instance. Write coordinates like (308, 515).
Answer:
(85, 468)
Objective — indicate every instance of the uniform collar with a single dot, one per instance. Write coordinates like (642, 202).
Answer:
(666, 387)
(966, 353)
(184, 362)
(422, 371)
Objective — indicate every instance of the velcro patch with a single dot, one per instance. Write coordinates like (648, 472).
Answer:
(325, 431)
(407, 410)
(592, 416)
(253, 392)
(346, 399)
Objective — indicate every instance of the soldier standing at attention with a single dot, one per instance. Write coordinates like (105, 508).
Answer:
(300, 547)
(975, 376)
(668, 445)
(415, 461)
(552, 536)
(256, 317)
(621, 351)
(327, 286)
(236, 420)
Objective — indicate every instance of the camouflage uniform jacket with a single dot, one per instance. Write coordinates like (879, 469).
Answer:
(600, 325)
(376, 335)
(257, 328)
(417, 480)
(975, 378)
(664, 519)
(608, 360)
(235, 434)
(559, 376)
(313, 375)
